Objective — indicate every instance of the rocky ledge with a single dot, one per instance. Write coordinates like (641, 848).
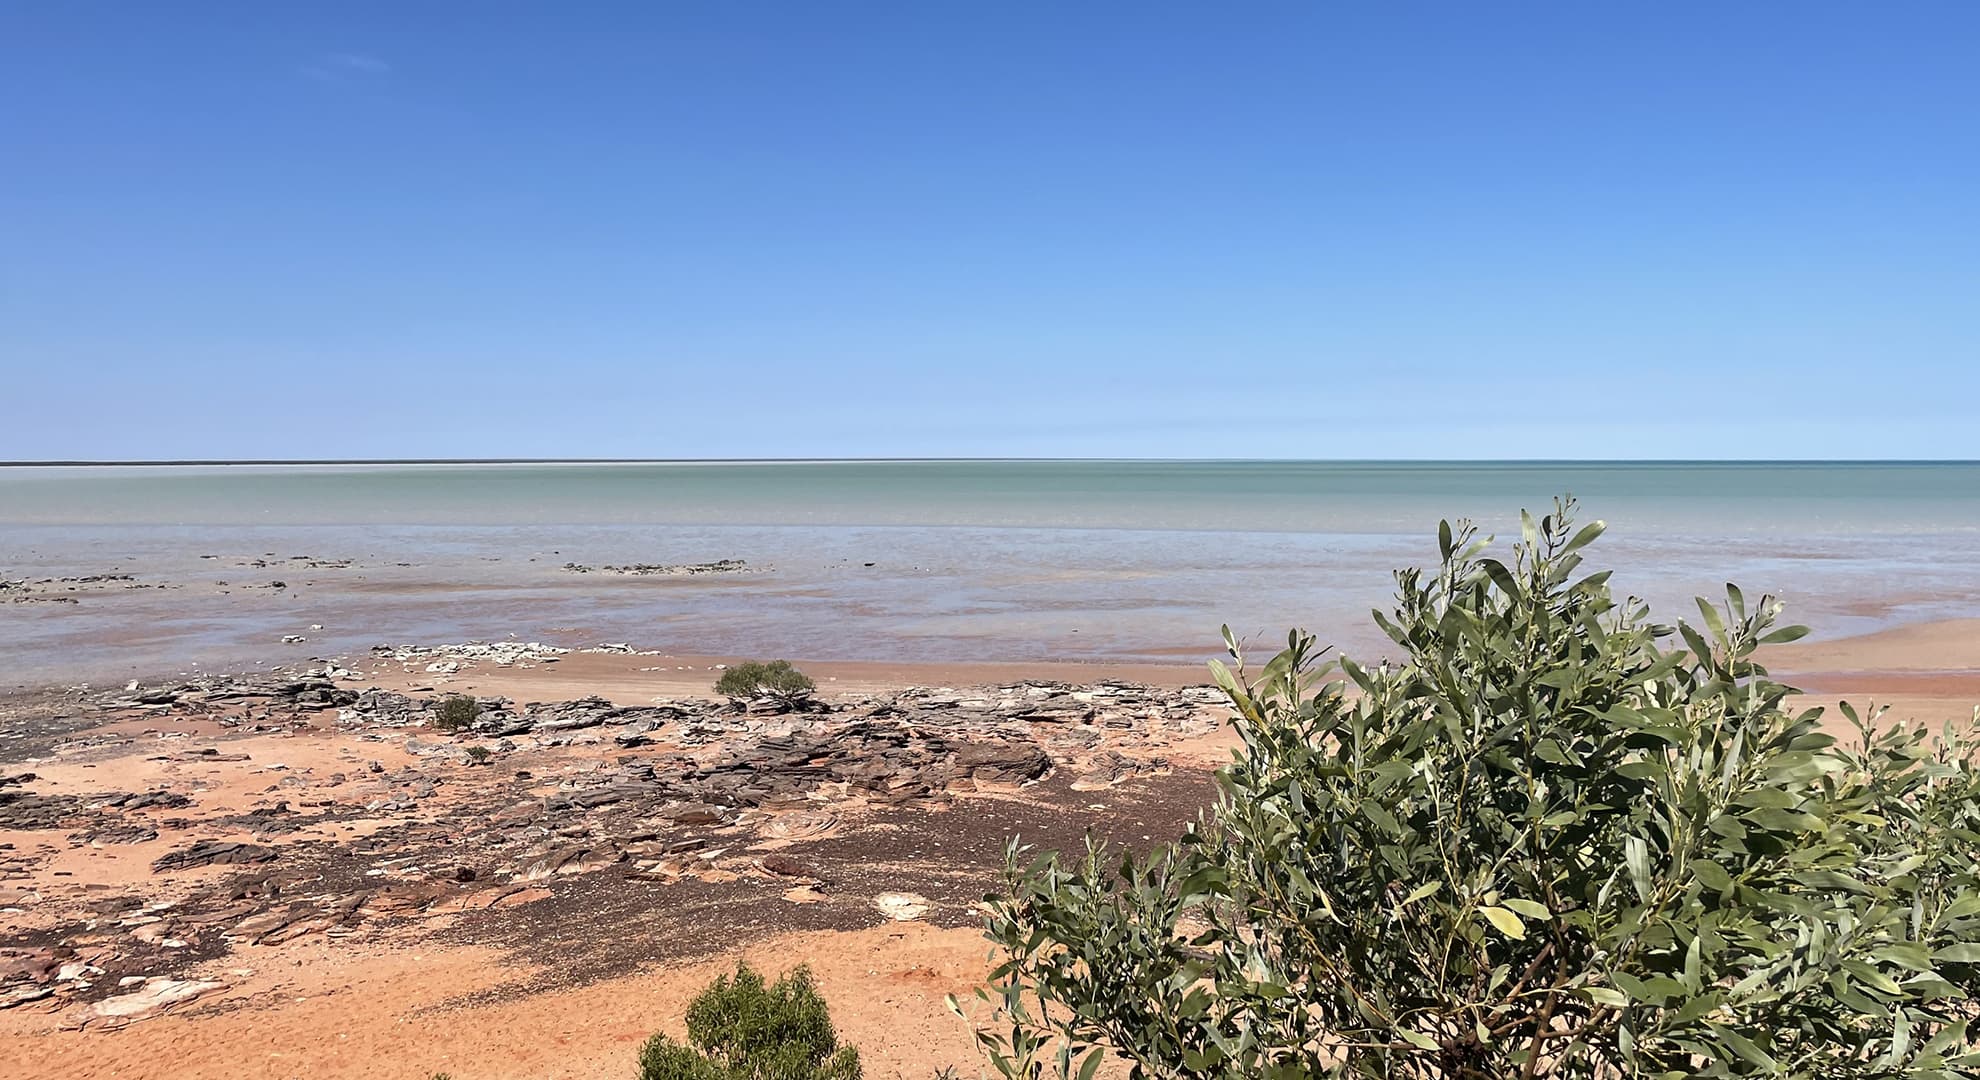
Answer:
(681, 815)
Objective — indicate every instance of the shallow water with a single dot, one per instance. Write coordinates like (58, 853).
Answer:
(971, 560)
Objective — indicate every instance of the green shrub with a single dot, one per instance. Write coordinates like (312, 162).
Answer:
(1556, 840)
(456, 713)
(740, 1029)
(775, 678)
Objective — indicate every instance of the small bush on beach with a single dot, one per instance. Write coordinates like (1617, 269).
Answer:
(741, 1029)
(756, 678)
(1556, 839)
(456, 713)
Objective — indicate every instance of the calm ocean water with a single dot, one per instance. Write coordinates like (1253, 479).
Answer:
(1024, 560)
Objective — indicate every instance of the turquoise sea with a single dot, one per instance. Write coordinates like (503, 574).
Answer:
(994, 560)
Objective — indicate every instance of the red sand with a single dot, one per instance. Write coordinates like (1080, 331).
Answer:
(326, 1009)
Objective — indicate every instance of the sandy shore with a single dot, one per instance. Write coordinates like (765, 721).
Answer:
(542, 914)
(1928, 672)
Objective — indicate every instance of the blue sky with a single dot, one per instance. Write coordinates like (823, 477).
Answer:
(740, 229)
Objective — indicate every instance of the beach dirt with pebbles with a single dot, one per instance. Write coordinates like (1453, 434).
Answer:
(298, 874)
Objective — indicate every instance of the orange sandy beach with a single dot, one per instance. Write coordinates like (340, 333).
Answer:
(395, 948)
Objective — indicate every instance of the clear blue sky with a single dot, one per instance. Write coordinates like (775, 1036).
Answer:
(741, 229)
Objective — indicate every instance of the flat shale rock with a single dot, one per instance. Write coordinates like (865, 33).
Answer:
(156, 996)
(1003, 762)
(168, 800)
(213, 853)
(22, 810)
(297, 919)
(786, 866)
(575, 859)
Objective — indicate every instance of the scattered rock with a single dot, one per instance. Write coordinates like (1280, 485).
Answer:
(499, 653)
(903, 906)
(720, 566)
(730, 800)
